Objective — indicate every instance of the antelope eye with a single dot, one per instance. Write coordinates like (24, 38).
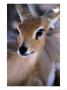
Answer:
(39, 33)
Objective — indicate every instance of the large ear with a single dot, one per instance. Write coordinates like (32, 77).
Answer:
(53, 16)
(55, 23)
(52, 13)
(22, 11)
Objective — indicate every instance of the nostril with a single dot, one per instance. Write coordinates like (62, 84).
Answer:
(22, 49)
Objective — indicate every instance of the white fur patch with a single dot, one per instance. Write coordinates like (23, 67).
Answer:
(51, 76)
(56, 10)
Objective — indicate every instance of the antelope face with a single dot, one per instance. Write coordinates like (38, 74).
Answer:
(32, 35)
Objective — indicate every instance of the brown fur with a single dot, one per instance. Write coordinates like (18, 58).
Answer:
(35, 68)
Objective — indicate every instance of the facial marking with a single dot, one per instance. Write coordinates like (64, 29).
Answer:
(28, 28)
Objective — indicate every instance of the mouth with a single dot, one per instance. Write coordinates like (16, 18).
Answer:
(26, 54)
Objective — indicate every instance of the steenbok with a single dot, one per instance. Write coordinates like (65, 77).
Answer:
(29, 65)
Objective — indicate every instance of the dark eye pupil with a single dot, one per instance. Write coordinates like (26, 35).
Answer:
(39, 33)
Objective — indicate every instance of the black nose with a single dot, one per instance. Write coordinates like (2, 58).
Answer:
(23, 49)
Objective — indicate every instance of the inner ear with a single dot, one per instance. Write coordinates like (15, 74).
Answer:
(23, 11)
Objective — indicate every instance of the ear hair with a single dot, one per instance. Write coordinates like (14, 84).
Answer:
(53, 22)
(22, 11)
(52, 17)
(51, 14)
(19, 10)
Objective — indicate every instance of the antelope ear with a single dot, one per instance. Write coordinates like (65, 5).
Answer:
(22, 11)
(53, 16)
(52, 13)
(55, 23)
